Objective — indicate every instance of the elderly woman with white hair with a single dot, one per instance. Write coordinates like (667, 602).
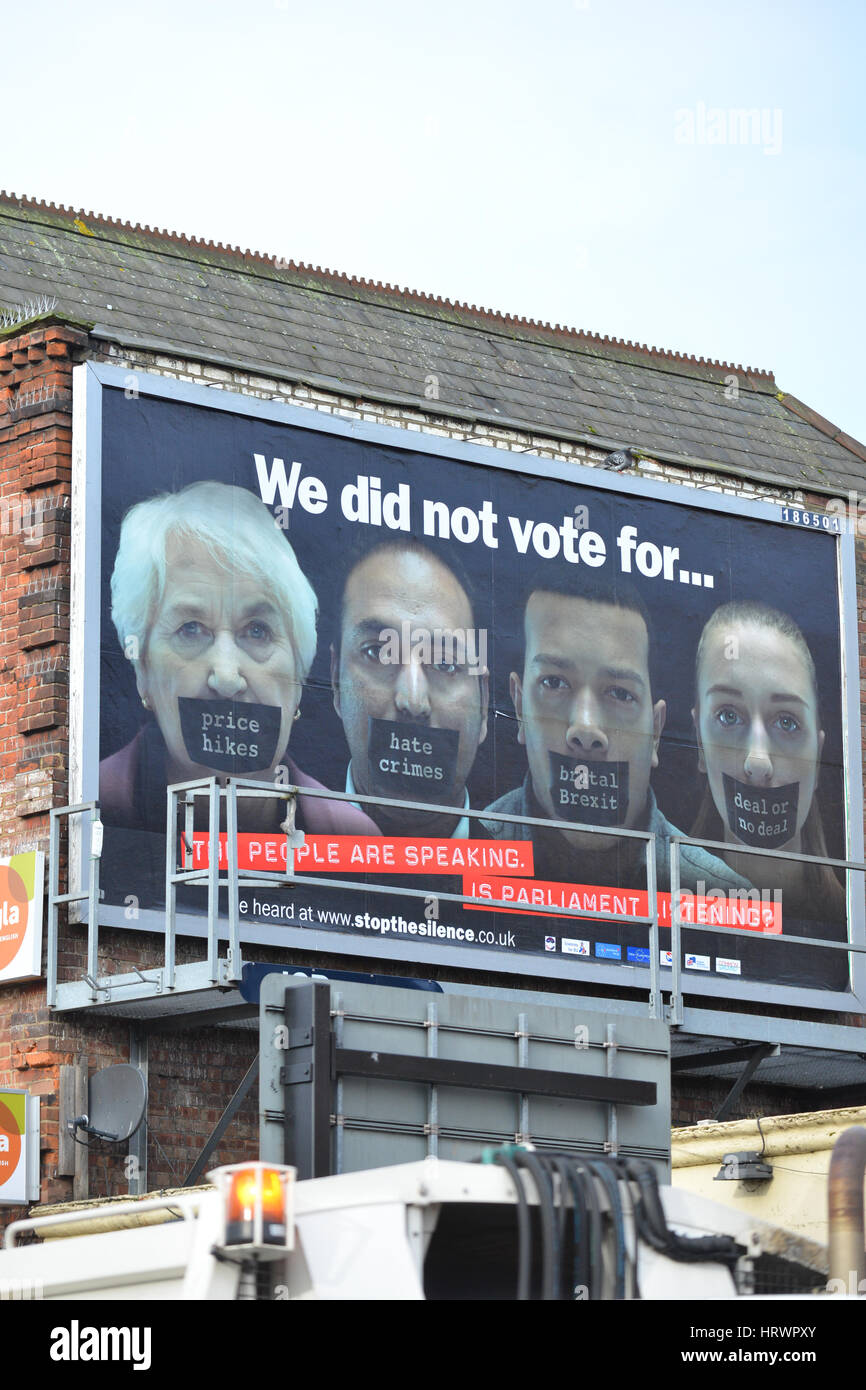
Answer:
(213, 610)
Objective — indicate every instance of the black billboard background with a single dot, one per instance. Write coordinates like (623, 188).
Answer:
(151, 445)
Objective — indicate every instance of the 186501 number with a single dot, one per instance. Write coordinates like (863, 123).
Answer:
(818, 521)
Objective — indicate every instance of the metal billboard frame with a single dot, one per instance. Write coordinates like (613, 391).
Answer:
(90, 379)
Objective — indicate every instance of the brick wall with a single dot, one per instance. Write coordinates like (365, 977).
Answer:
(35, 476)
(696, 1100)
(191, 1075)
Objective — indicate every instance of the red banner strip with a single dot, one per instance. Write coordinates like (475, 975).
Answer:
(725, 910)
(372, 854)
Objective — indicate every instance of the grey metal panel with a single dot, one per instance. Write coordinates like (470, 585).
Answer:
(385, 1121)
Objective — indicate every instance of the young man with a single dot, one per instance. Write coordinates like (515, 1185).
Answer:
(411, 686)
(591, 729)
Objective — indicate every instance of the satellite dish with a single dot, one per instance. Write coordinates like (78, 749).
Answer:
(116, 1102)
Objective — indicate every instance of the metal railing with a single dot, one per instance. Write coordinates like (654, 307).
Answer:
(182, 799)
(209, 876)
(254, 877)
(678, 925)
(181, 802)
(90, 894)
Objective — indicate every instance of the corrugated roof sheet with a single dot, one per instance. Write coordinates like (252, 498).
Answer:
(199, 300)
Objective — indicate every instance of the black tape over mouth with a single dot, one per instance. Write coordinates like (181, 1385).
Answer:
(762, 817)
(592, 793)
(229, 735)
(412, 762)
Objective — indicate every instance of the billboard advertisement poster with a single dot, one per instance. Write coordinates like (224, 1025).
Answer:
(21, 882)
(19, 1148)
(261, 592)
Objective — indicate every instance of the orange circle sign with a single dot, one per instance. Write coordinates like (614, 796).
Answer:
(10, 1143)
(14, 908)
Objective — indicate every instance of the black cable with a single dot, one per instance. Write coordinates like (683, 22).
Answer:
(645, 1178)
(549, 1243)
(653, 1227)
(595, 1270)
(582, 1277)
(561, 1212)
(572, 1254)
(524, 1234)
(94, 1134)
(619, 1168)
(584, 1271)
(568, 1181)
(646, 1227)
(608, 1179)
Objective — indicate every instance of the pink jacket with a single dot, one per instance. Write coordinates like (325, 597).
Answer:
(317, 815)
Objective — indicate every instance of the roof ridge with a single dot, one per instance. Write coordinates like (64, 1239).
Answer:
(666, 356)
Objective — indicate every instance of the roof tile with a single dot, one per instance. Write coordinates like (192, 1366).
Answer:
(281, 318)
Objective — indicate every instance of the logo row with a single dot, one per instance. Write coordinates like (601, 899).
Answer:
(639, 955)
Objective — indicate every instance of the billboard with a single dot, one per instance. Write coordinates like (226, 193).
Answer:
(21, 880)
(268, 592)
(19, 1148)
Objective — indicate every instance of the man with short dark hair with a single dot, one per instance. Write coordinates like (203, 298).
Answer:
(591, 730)
(410, 685)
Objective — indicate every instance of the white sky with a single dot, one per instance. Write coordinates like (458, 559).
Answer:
(524, 157)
